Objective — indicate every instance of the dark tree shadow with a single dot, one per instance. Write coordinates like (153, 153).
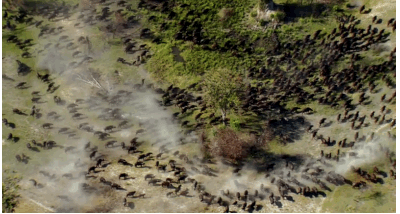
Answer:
(293, 11)
(291, 128)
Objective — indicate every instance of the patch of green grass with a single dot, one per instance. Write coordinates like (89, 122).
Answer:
(276, 147)
(377, 198)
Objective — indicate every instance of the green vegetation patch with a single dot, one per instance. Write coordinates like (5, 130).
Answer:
(10, 194)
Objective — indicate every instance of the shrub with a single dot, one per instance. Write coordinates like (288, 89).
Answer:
(263, 23)
(253, 14)
(335, 8)
(232, 146)
(280, 15)
(235, 124)
(272, 16)
(225, 13)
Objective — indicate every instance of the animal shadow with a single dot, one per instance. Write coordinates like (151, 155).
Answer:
(384, 174)
(328, 124)
(378, 90)
(332, 143)
(131, 205)
(279, 204)
(321, 193)
(11, 125)
(105, 165)
(94, 171)
(367, 11)
(290, 198)
(35, 149)
(259, 207)
(26, 87)
(380, 180)
(250, 210)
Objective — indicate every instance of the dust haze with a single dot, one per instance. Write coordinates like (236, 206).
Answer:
(104, 113)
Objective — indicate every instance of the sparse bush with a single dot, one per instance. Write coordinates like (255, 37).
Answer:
(253, 14)
(377, 49)
(232, 146)
(263, 23)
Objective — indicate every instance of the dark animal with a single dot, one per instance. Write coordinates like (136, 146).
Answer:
(139, 163)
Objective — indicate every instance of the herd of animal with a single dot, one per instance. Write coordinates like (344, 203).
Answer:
(176, 172)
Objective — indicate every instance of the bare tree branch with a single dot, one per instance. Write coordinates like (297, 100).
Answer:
(87, 81)
(92, 82)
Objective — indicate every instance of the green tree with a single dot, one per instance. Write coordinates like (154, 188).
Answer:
(223, 90)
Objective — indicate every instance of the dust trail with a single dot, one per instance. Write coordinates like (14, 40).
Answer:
(41, 205)
(384, 126)
(142, 106)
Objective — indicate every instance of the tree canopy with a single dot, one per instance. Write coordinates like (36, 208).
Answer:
(223, 89)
